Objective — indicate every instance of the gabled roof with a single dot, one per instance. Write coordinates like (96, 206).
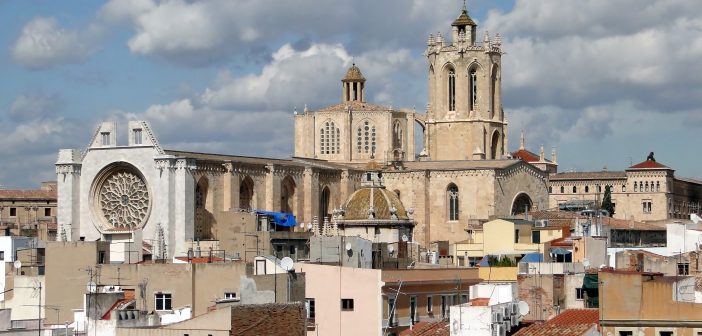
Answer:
(571, 322)
(354, 105)
(526, 155)
(440, 328)
(649, 164)
(28, 194)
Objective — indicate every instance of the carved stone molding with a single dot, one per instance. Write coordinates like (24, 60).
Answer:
(65, 169)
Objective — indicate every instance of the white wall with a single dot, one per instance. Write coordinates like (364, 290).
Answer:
(681, 238)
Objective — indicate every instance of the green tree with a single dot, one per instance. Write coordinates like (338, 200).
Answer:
(607, 201)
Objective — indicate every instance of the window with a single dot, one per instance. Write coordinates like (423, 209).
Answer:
(647, 206)
(47, 212)
(309, 306)
(623, 188)
(562, 190)
(473, 86)
(430, 304)
(346, 304)
(413, 309)
(535, 237)
(658, 186)
(391, 312)
(2, 255)
(636, 188)
(451, 90)
(665, 333)
(550, 190)
(626, 333)
(444, 306)
(641, 187)
(683, 269)
(579, 294)
(587, 189)
(516, 236)
(452, 195)
(105, 138)
(575, 189)
(599, 188)
(365, 138)
(329, 139)
(163, 301)
(137, 136)
(646, 186)
(464, 298)
(229, 295)
(13, 212)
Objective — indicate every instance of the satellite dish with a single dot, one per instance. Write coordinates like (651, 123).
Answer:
(92, 287)
(348, 246)
(523, 308)
(309, 226)
(405, 238)
(302, 225)
(17, 264)
(287, 264)
(391, 248)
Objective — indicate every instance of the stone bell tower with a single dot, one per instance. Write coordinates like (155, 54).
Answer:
(465, 119)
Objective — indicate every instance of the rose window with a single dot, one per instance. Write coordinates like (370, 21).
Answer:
(124, 200)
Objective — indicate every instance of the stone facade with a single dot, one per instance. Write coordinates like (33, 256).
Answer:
(648, 191)
(175, 198)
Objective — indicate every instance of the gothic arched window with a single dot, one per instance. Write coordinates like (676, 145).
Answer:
(646, 186)
(451, 90)
(473, 87)
(397, 135)
(562, 190)
(658, 186)
(493, 92)
(587, 189)
(636, 187)
(453, 202)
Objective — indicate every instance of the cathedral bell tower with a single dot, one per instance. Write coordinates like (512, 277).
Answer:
(354, 83)
(465, 120)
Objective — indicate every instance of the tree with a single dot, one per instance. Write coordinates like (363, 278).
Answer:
(607, 201)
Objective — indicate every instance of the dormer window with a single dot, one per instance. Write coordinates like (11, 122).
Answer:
(105, 138)
(137, 136)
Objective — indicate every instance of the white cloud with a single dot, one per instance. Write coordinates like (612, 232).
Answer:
(43, 44)
(35, 105)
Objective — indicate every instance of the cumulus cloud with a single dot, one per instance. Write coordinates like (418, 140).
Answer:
(201, 32)
(34, 105)
(251, 114)
(43, 43)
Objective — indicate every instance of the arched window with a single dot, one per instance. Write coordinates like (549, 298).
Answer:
(365, 138)
(397, 134)
(246, 191)
(623, 187)
(287, 195)
(636, 187)
(562, 190)
(330, 139)
(494, 152)
(493, 91)
(324, 204)
(453, 202)
(575, 189)
(199, 197)
(522, 203)
(599, 188)
(473, 89)
(587, 189)
(646, 185)
(397, 192)
(550, 190)
(451, 90)
(658, 186)
(641, 187)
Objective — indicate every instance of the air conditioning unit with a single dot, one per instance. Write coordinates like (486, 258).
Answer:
(515, 308)
(505, 312)
(541, 223)
(514, 320)
(498, 330)
(497, 317)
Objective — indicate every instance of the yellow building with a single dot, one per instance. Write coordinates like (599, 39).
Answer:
(493, 239)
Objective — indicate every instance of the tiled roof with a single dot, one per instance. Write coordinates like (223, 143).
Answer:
(464, 20)
(649, 164)
(527, 156)
(623, 224)
(559, 218)
(382, 201)
(480, 302)
(440, 328)
(354, 105)
(600, 175)
(354, 74)
(571, 322)
(201, 260)
(27, 194)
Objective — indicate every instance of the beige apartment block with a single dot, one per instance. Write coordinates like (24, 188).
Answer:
(648, 191)
(29, 212)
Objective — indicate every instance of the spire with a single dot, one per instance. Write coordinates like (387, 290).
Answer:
(554, 158)
(521, 141)
(542, 156)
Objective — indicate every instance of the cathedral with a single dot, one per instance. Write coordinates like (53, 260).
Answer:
(354, 162)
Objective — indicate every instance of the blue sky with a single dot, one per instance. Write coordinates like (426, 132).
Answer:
(605, 82)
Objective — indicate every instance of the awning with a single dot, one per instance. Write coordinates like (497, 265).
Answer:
(280, 218)
(532, 257)
(560, 251)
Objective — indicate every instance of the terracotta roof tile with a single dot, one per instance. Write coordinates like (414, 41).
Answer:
(571, 322)
(27, 194)
(480, 302)
(600, 175)
(355, 106)
(649, 164)
(525, 155)
(440, 328)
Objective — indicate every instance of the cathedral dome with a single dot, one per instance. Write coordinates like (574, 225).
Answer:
(354, 75)
(463, 20)
(374, 203)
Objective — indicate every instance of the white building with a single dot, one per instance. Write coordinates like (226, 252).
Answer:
(492, 310)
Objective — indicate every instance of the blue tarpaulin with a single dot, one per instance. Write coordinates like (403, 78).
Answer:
(560, 251)
(533, 257)
(280, 218)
